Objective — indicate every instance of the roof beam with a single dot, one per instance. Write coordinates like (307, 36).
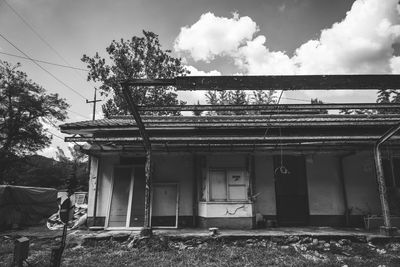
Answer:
(276, 82)
(272, 108)
(228, 139)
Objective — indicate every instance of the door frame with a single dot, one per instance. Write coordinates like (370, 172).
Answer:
(129, 206)
(304, 173)
(176, 208)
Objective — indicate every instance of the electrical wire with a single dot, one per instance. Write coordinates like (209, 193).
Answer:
(44, 69)
(45, 62)
(40, 37)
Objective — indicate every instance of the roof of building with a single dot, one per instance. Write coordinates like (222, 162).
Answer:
(175, 133)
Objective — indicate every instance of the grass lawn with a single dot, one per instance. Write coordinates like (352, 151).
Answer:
(161, 251)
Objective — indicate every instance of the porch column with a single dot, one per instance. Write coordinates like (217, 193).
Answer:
(147, 196)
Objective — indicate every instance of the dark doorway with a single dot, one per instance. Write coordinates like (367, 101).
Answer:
(291, 190)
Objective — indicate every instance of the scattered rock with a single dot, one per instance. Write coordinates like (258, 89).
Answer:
(381, 251)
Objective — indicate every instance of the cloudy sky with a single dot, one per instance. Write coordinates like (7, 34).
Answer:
(223, 37)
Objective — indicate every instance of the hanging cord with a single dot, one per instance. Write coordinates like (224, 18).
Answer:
(270, 116)
(282, 169)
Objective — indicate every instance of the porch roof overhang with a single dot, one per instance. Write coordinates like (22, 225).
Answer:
(281, 125)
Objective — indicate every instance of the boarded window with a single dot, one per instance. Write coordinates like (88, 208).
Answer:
(237, 185)
(228, 185)
(217, 185)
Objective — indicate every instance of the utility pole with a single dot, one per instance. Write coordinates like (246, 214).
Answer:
(94, 101)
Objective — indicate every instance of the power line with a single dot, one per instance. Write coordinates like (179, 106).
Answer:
(59, 137)
(39, 36)
(40, 66)
(45, 62)
(79, 114)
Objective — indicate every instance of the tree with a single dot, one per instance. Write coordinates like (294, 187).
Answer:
(197, 112)
(137, 58)
(239, 97)
(24, 107)
(387, 96)
(316, 101)
(77, 166)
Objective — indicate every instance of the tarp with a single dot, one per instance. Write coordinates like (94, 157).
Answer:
(26, 205)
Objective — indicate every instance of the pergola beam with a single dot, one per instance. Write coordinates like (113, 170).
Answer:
(228, 139)
(276, 82)
(272, 108)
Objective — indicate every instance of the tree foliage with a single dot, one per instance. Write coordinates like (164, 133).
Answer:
(239, 97)
(24, 107)
(316, 101)
(386, 96)
(77, 166)
(137, 58)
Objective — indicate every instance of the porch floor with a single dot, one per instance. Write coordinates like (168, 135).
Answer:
(275, 232)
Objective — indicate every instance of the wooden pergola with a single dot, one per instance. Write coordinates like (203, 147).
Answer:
(266, 127)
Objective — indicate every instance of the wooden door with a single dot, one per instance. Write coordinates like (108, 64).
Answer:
(120, 197)
(291, 191)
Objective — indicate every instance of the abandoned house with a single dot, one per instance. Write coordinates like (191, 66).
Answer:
(276, 165)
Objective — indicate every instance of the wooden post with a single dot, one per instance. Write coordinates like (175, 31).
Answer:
(147, 196)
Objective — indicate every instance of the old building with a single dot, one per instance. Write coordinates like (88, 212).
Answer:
(285, 165)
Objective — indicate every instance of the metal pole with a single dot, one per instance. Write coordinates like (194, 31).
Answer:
(387, 228)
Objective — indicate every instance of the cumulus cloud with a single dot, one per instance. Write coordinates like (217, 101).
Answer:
(395, 65)
(211, 36)
(195, 72)
(191, 97)
(256, 58)
(361, 43)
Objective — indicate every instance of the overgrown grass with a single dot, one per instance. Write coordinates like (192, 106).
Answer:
(211, 252)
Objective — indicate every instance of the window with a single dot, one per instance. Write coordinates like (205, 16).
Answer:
(228, 185)
(391, 170)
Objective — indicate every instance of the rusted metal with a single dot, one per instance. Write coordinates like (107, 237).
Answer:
(149, 82)
(273, 108)
(277, 82)
(380, 175)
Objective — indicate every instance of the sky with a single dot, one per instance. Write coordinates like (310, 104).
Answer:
(224, 37)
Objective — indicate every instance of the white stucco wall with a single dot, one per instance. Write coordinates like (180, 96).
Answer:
(92, 184)
(264, 185)
(325, 193)
(361, 185)
(225, 210)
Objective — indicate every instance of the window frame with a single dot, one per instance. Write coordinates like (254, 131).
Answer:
(228, 184)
